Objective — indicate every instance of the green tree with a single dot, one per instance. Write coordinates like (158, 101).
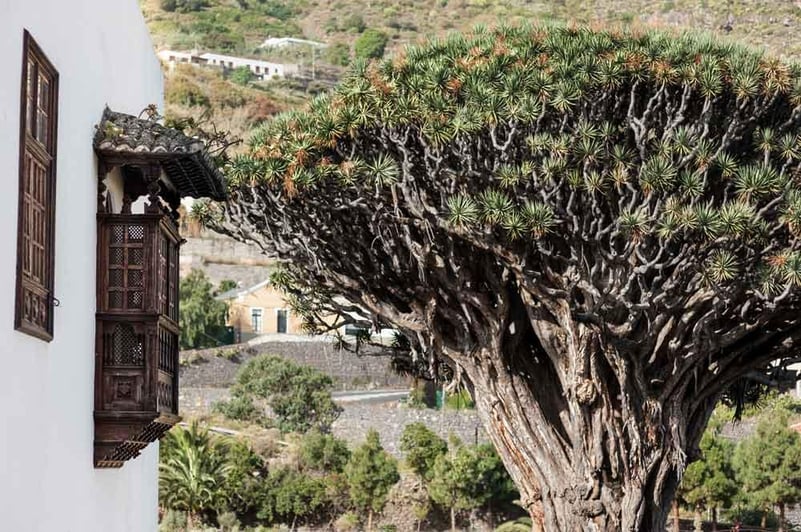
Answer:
(292, 496)
(192, 471)
(225, 285)
(710, 482)
(768, 464)
(595, 230)
(370, 44)
(323, 452)
(421, 447)
(244, 472)
(370, 474)
(241, 75)
(467, 478)
(299, 396)
(202, 318)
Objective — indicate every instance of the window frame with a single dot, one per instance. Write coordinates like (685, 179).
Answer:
(253, 327)
(278, 312)
(45, 154)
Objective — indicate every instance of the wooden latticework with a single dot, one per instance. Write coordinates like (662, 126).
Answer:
(136, 369)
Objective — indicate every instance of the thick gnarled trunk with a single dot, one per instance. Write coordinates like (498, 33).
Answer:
(600, 459)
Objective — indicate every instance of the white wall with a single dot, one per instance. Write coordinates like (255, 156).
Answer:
(103, 53)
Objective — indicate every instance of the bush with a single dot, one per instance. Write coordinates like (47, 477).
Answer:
(182, 91)
(421, 447)
(184, 6)
(370, 474)
(354, 23)
(299, 396)
(241, 75)
(371, 44)
(291, 496)
(240, 408)
(323, 452)
(337, 54)
(460, 400)
(202, 317)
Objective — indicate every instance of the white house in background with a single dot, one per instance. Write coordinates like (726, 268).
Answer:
(88, 274)
(172, 58)
(261, 69)
(283, 42)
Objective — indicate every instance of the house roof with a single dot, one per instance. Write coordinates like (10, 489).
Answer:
(186, 162)
(236, 292)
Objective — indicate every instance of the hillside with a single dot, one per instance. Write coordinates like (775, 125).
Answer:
(240, 25)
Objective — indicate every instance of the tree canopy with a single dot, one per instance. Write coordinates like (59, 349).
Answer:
(710, 483)
(768, 463)
(421, 447)
(370, 473)
(299, 396)
(597, 230)
(202, 318)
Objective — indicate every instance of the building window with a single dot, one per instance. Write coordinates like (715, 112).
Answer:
(256, 319)
(37, 193)
(281, 316)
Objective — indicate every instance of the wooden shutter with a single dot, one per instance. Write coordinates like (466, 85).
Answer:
(37, 191)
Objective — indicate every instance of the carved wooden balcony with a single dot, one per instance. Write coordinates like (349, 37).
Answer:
(136, 345)
(136, 360)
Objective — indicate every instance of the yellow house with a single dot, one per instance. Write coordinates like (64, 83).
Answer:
(259, 309)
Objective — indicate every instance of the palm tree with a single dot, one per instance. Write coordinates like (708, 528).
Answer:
(192, 469)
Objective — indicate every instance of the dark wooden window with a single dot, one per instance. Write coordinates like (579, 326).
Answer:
(37, 191)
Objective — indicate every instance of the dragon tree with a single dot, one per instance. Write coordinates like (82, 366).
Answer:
(596, 231)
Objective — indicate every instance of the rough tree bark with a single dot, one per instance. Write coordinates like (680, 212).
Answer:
(598, 335)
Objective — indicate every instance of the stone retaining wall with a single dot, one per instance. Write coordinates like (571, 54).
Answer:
(211, 368)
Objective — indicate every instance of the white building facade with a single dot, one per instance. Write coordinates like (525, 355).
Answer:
(87, 54)
(261, 69)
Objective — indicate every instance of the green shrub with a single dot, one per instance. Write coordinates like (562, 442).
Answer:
(239, 407)
(421, 447)
(241, 75)
(417, 397)
(323, 452)
(184, 6)
(353, 23)
(293, 496)
(370, 44)
(299, 396)
(460, 400)
(337, 54)
(182, 91)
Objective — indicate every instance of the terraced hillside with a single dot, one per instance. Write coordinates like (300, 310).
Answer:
(240, 25)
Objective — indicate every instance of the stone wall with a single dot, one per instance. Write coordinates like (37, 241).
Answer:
(224, 258)
(212, 368)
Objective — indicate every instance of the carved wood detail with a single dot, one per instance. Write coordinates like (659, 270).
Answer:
(136, 356)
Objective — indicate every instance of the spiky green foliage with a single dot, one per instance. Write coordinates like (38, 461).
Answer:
(192, 471)
(614, 210)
